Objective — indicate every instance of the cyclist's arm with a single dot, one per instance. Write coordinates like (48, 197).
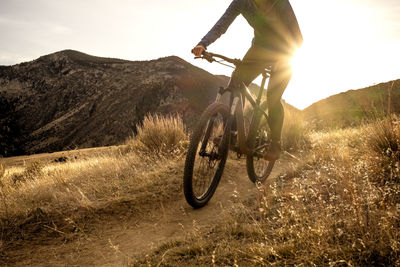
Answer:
(222, 25)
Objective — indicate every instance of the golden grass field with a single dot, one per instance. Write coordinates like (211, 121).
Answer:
(336, 202)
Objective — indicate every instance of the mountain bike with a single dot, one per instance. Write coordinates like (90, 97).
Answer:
(213, 137)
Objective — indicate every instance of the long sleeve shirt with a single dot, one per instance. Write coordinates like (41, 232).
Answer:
(276, 29)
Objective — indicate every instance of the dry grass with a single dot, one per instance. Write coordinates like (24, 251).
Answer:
(328, 211)
(77, 184)
(2, 173)
(120, 181)
(159, 134)
(383, 149)
(339, 206)
(294, 133)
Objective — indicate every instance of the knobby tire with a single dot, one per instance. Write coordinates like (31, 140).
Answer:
(218, 149)
(258, 169)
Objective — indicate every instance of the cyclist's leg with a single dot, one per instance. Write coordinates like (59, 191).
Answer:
(244, 74)
(279, 80)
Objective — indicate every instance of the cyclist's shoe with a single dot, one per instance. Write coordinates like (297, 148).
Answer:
(273, 152)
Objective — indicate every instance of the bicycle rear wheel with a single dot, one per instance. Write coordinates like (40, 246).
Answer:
(258, 169)
(206, 156)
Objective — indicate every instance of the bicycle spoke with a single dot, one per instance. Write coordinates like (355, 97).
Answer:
(207, 156)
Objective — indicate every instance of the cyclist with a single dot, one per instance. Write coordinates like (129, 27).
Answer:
(276, 36)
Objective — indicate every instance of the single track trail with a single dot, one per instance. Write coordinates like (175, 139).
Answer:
(119, 241)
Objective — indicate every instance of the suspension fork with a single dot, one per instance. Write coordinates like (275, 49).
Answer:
(221, 91)
(226, 134)
(210, 124)
(240, 127)
(204, 142)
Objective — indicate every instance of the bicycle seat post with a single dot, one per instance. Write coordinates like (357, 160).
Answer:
(260, 92)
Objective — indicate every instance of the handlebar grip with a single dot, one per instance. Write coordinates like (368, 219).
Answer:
(208, 57)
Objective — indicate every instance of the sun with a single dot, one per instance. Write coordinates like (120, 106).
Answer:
(298, 59)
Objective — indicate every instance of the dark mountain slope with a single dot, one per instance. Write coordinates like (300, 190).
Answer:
(70, 99)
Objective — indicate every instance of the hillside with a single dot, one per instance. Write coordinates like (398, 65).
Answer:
(353, 105)
(70, 99)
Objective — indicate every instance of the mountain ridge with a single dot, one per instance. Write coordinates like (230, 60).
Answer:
(70, 99)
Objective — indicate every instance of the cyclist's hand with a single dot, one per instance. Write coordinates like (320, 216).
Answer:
(198, 50)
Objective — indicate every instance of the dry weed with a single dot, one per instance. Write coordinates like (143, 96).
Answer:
(328, 212)
(2, 174)
(58, 194)
(384, 137)
(383, 148)
(294, 133)
(160, 134)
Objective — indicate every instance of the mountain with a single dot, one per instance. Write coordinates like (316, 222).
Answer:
(70, 99)
(354, 105)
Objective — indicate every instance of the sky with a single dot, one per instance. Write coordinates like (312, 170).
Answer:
(348, 44)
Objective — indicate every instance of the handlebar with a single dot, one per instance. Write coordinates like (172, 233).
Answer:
(210, 57)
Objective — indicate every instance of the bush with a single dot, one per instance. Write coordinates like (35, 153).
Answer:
(160, 134)
(384, 137)
(294, 134)
(383, 146)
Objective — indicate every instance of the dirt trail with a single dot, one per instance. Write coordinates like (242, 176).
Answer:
(118, 242)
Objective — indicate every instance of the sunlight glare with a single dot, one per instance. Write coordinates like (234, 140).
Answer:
(297, 59)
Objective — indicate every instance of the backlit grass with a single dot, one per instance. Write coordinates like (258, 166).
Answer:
(332, 209)
(93, 185)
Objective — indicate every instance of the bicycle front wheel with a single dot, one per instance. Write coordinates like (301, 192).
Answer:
(206, 156)
(258, 169)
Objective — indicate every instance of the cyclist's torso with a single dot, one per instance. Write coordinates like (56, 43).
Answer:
(275, 29)
(268, 26)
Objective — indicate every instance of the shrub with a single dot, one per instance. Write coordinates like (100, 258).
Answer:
(383, 146)
(384, 137)
(160, 134)
(294, 134)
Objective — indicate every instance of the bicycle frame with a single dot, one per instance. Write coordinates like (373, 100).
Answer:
(236, 110)
(236, 104)
(204, 166)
